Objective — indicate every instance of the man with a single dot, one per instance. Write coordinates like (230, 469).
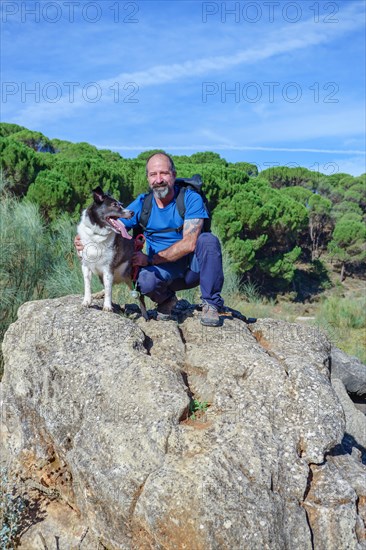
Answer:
(176, 260)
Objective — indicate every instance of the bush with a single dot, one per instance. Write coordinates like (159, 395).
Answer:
(24, 257)
(251, 292)
(343, 313)
(19, 165)
(344, 321)
(12, 508)
(65, 275)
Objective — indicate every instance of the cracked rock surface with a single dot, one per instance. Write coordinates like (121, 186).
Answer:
(96, 418)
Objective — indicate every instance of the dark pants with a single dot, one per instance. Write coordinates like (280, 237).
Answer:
(159, 284)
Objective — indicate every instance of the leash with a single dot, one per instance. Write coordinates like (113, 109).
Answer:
(138, 244)
(227, 311)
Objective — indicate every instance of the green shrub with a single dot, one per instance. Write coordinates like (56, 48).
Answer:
(24, 257)
(65, 275)
(344, 321)
(343, 313)
(12, 507)
(251, 292)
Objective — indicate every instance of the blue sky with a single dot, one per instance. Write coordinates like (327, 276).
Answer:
(268, 82)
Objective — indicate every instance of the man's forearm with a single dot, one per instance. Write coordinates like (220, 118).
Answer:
(191, 230)
(173, 253)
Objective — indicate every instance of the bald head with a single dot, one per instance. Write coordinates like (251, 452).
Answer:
(161, 156)
(160, 171)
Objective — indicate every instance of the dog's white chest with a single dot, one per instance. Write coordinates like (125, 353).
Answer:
(98, 255)
(98, 248)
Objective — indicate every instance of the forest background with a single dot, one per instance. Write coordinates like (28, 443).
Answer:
(293, 239)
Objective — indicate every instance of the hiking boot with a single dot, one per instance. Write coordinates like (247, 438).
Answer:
(210, 316)
(164, 310)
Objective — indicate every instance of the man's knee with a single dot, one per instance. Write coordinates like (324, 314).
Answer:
(207, 242)
(147, 281)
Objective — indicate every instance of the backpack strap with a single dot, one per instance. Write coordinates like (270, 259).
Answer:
(180, 202)
(146, 210)
(194, 183)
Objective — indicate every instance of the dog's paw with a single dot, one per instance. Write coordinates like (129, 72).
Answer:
(108, 308)
(86, 303)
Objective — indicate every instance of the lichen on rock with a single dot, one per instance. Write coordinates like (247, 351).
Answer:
(96, 411)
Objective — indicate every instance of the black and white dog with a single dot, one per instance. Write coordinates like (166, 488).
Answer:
(108, 248)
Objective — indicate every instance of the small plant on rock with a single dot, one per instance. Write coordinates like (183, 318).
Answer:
(12, 507)
(197, 407)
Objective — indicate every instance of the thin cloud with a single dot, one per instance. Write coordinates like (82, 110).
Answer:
(284, 40)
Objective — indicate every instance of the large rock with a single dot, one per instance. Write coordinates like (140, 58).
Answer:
(96, 410)
(350, 370)
(355, 419)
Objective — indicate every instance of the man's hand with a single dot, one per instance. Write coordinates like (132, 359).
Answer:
(140, 259)
(78, 245)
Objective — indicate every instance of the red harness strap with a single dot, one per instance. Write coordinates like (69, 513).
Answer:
(138, 245)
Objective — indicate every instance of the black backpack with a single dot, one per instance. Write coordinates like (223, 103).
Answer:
(194, 183)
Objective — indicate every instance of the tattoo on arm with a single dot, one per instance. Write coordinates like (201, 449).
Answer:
(192, 226)
(191, 231)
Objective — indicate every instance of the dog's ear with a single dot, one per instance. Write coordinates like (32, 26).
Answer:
(98, 194)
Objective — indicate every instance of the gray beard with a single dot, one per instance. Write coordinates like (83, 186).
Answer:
(161, 193)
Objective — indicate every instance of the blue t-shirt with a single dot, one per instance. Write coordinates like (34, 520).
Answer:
(162, 218)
